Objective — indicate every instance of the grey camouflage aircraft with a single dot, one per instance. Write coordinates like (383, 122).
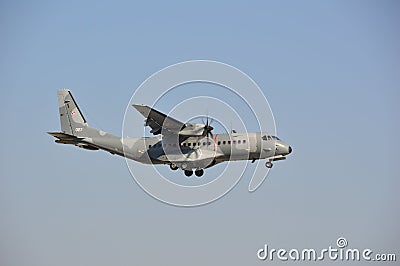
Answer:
(187, 146)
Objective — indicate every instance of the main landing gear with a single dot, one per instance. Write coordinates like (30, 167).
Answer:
(188, 173)
(269, 164)
(198, 173)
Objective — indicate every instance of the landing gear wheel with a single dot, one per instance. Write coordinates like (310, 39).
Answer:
(268, 164)
(188, 173)
(173, 166)
(199, 172)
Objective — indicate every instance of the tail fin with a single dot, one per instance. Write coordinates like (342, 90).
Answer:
(72, 120)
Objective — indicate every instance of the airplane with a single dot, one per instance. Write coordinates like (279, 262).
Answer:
(188, 146)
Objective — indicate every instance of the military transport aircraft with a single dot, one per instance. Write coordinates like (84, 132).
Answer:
(187, 146)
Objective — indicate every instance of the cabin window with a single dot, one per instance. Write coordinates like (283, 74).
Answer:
(224, 142)
(184, 144)
(244, 141)
(189, 144)
(204, 144)
(229, 142)
(219, 142)
(209, 143)
(149, 146)
(234, 142)
(239, 141)
(194, 144)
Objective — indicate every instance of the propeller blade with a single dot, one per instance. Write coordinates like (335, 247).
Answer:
(208, 128)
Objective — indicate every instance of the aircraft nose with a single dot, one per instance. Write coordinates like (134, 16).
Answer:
(290, 149)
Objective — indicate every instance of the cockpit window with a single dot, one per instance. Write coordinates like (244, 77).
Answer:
(265, 137)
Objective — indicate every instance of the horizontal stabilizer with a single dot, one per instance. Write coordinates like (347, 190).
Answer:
(63, 138)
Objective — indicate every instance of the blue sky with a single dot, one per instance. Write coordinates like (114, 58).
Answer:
(330, 70)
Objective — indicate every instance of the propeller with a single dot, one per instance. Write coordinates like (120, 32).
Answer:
(208, 128)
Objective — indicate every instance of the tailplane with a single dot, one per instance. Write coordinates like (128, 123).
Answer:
(76, 131)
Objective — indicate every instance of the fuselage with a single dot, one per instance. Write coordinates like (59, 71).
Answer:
(215, 149)
(180, 145)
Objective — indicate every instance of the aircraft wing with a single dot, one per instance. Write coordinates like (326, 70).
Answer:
(159, 121)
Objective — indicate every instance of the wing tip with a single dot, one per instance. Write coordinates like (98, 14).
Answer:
(138, 105)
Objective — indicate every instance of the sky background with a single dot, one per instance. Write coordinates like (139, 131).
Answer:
(331, 73)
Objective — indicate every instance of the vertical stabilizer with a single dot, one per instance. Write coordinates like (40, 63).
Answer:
(72, 120)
